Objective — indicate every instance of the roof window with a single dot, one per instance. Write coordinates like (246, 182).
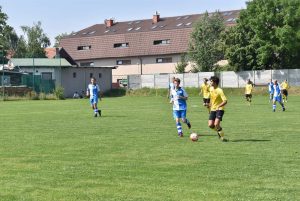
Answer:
(121, 45)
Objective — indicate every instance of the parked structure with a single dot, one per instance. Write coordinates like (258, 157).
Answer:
(138, 47)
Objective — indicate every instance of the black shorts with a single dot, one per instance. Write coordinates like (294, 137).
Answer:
(206, 100)
(285, 92)
(216, 115)
(248, 95)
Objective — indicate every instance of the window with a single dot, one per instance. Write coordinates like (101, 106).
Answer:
(100, 75)
(129, 29)
(121, 45)
(91, 75)
(179, 24)
(138, 28)
(74, 74)
(161, 42)
(84, 47)
(46, 76)
(154, 27)
(123, 62)
(188, 24)
(87, 64)
(164, 60)
(92, 32)
(106, 31)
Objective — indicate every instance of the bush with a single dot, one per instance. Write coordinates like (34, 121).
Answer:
(59, 93)
(115, 92)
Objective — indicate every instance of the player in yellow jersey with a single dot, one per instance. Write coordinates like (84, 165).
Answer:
(204, 89)
(284, 90)
(217, 102)
(248, 91)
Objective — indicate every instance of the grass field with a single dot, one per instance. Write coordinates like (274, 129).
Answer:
(57, 150)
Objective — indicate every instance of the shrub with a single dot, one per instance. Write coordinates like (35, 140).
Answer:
(59, 93)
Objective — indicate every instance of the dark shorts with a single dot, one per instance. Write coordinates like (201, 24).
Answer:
(248, 95)
(285, 92)
(206, 100)
(216, 115)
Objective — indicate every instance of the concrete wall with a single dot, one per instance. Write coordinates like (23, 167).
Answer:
(82, 79)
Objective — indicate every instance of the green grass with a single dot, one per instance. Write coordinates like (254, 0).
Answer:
(57, 150)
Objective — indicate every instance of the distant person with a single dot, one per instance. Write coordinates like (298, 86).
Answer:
(170, 89)
(204, 89)
(76, 95)
(277, 96)
(284, 87)
(217, 102)
(82, 95)
(271, 90)
(93, 91)
(248, 91)
(179, 97)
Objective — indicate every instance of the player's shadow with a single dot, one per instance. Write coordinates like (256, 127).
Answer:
(208, 135)
(249, 140)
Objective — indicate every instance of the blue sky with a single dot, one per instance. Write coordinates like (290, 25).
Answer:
(65, 16)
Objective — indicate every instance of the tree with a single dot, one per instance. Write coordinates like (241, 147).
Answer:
(206, 46)
(36, 40)
(58, 38)
(180, 66)
(267, 36)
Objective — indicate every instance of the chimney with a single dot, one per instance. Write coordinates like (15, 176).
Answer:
(155, 18)
(109, 22)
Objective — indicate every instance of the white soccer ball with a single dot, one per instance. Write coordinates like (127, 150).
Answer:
(194, 137)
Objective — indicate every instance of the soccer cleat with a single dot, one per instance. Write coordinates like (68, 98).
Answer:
(189, 125)
(283, 109)
(95, 115)
(180, 134)
(224, 139)
(99, 112)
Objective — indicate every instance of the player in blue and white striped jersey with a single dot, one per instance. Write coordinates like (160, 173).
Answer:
(179, 97)
(277, 97)
(171, 88)
(93, 91)
(271, 90)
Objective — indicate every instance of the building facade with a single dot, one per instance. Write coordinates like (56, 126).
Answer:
(147, 46)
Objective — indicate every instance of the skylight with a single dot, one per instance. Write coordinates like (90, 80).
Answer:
(188, 24)
(138, 28)
(178, 18)
(179, 24)
(106, 31)
(137, 22)
(92, 32)
(186, 17)
(129, 29)
(154, 27)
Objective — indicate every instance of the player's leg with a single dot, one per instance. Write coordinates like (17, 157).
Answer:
(218, 127)
(282, 105)
(176, 115)
(274, 104)
(184, 119)
(211, 120)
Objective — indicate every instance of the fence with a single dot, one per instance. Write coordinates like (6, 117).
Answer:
(228, 79)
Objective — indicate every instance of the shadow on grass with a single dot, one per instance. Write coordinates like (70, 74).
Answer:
(249, 140)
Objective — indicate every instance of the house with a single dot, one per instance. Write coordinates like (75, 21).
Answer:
(45, 74)
(146, 46)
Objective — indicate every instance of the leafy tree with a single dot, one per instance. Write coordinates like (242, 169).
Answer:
(206, 46)
(267, 36)
(58, 38)
(36, 40)
(180, 66)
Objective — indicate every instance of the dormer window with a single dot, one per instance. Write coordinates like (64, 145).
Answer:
(161, 42)
(84, 47)
(121, 45)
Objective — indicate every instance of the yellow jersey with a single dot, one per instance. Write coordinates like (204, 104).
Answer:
(205, 90)
(248, 89)
(217, 96)
(285, 85)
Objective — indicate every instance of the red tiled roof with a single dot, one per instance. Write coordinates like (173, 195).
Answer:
(140, 35)
(50, 52)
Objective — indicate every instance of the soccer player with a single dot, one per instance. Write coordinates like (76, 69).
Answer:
(171, 87)
(179, 106)
(277, 96)
(248, 91)
(205, 91)
(217, 102)
(284, 87)
(93, 91)
(271, 90)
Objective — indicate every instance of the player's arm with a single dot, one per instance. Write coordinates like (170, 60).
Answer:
(224, 99)
(223, 103)
(184, 97)
(87, 92)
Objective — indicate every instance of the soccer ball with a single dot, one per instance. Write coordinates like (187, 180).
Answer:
(194, 137)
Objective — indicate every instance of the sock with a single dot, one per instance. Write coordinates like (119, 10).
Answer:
(179, 128)
(187, 121)
(96, 110)
(220, 132)
(274, 107)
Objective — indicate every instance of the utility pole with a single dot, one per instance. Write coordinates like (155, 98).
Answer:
(3, 90)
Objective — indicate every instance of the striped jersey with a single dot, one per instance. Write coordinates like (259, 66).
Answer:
(93, 90)
(277, 90)
(179, 104)
(271, 89)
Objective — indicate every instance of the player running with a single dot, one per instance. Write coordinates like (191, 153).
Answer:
(179, 106)
(277, 96)
(284, 87)
(218, 101)
(248, 91)
(93, 91)
(271, 90)
(205, 91)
